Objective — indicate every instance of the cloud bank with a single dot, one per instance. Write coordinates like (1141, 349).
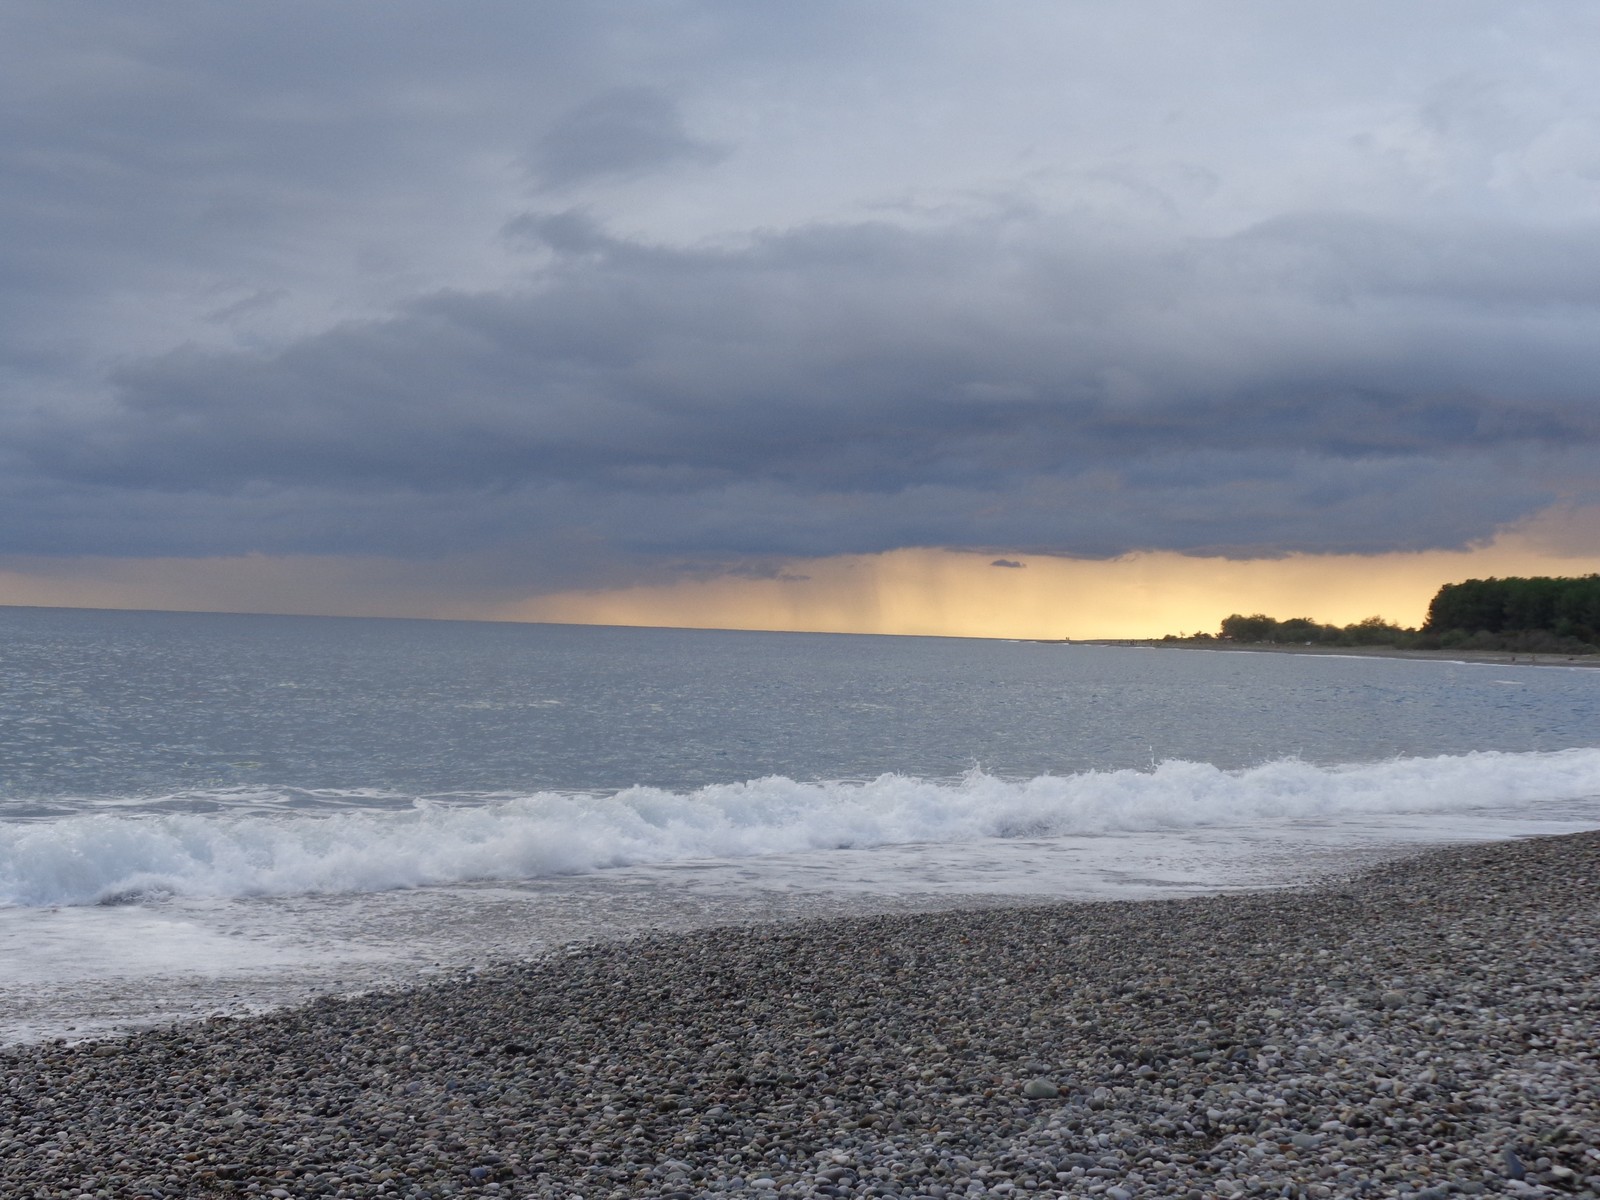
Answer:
(599, 302)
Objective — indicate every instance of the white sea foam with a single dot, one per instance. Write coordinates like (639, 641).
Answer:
(109, 856)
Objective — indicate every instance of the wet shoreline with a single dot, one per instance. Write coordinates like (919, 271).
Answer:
(1428, 1026)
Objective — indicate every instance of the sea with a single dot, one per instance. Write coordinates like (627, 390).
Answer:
(207, 815)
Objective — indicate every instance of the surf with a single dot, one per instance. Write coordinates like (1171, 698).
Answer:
(368, 841)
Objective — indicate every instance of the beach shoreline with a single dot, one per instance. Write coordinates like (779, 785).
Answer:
(1476, 657)
(1423, 1027)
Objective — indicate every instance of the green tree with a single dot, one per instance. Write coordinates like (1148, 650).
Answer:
(1472, 605)
(1518, 605)
(1255, 628)
(1299, 629)
(1373, 631)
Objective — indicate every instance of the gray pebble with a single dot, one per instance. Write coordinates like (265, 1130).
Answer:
(1514, 1167)
(1221, 1046)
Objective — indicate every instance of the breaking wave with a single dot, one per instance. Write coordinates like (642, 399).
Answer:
(111, 856)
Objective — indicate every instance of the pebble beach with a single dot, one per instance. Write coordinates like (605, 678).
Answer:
(1426, 1028)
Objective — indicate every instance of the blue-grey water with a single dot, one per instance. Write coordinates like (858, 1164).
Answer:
(199, 809)
(148, 705)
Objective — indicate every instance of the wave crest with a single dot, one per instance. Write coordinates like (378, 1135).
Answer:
(109, 856)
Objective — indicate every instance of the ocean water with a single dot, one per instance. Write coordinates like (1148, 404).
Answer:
(208, 814)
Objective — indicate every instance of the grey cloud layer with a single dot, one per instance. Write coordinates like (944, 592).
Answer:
(623, 132)
(252, 325)
(856, 389)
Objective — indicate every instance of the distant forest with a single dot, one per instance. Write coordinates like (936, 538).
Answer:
(1539, 615)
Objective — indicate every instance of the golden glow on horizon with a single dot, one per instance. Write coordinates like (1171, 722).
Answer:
(901, 592)
(1141, 595)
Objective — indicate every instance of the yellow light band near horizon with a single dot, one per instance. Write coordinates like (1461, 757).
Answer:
(963, 595)
(936, 592)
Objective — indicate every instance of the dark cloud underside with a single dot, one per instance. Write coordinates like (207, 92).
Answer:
(857, 389)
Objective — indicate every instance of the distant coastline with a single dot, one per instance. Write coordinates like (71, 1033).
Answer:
(1497, 657)
(1540, 621)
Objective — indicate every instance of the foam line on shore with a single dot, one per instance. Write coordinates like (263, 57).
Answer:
(115, 856)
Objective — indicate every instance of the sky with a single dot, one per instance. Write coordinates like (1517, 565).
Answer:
(1049, 319)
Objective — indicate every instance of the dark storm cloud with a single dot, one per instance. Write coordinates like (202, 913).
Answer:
(755, 282)
(860, 388)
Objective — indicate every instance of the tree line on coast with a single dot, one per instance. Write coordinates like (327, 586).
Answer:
(1533, 615)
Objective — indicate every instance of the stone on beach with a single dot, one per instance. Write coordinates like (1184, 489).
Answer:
(1239, 1045)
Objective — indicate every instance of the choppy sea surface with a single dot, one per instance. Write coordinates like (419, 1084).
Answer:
(212, 813)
